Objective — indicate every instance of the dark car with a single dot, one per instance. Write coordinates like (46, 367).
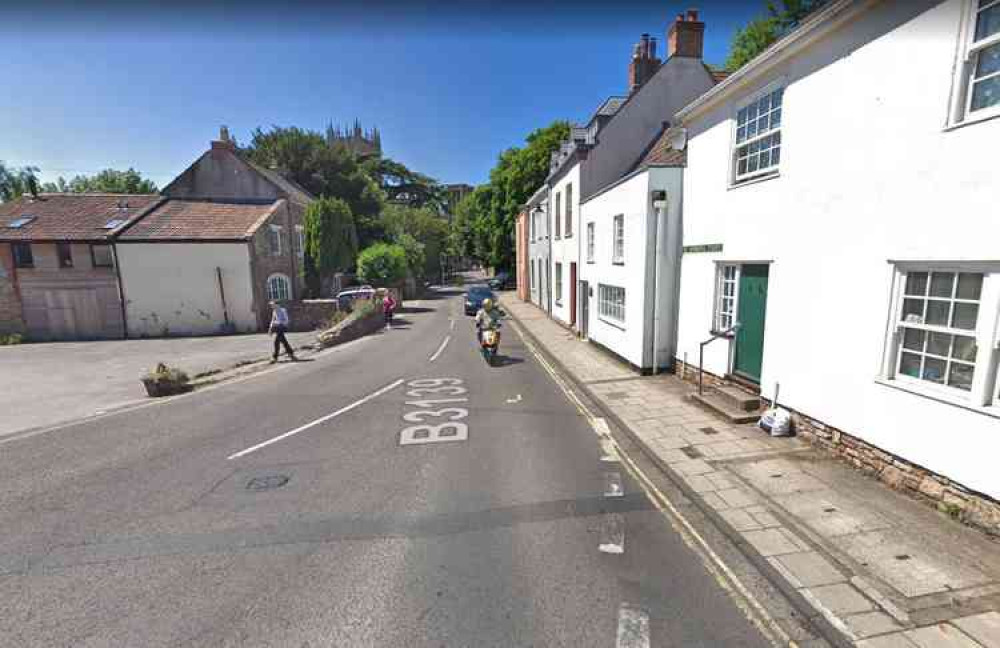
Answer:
(474, 298)
(499, 281)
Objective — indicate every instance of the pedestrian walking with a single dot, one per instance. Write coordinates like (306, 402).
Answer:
(388, 306)
(279, 325)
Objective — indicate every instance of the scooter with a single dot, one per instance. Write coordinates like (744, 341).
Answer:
(489, 343)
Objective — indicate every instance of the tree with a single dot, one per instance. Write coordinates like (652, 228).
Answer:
(487, 215)
(427, 227)
(107, 181)
(761, 32)
(416, 259)
(16, 181)
(404, 186)
(331, 240)
(382, 264)
(323, 169)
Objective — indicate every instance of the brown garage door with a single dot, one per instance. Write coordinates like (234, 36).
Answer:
(63, 314)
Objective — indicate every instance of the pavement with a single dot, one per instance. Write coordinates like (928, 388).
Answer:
(883, 570)
(392, 491)
(45, 384)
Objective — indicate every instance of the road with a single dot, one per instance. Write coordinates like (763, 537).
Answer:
(335, 503)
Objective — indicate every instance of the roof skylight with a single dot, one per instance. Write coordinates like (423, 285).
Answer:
(18, 223)
(115, 223)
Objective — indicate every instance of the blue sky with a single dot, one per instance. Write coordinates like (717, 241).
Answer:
(448, 85)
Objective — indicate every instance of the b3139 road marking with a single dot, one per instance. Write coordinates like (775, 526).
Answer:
(451, 428)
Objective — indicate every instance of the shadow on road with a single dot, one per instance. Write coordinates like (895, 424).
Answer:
(505, 361)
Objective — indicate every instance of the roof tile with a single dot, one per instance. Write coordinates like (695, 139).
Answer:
(71, 217)
(182, 219)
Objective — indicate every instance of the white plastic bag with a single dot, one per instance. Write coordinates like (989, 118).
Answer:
(777, 421)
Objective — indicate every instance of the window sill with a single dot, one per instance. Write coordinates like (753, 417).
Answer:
(618, 263)
(612, 323)
(752, 181)
(722, 334)
(970, 121)
(986, 410)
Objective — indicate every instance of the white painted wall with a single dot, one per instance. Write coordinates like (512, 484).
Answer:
(172, 289)
(565, 250)
(633, 340)
(869, 173)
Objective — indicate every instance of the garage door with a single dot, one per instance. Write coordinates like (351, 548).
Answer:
(63, 314)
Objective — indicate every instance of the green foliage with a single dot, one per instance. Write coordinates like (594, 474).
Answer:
(382, 264)
(416, 259)
(107, 181)
(17, 181)
(483, 227)
(427, 227)
(11, 339)
(761, 32)
(331, 239)
(404, 186)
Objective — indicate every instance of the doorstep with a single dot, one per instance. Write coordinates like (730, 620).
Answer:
(882, 569)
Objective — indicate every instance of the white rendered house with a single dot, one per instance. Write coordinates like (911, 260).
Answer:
(839, 205)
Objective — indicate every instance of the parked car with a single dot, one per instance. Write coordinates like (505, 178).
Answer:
(474, 298)
(346, 298)
(500, 280)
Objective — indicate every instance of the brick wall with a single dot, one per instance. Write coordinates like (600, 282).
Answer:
(959, 502)
(11, 316)
(311, 314)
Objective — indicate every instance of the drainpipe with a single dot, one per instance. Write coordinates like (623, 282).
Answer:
(659, 209)
(121, 289)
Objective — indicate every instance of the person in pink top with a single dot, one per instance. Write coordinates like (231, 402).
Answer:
(388, 306)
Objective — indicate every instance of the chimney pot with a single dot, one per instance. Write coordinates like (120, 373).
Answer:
(686, 36)
(692, 15)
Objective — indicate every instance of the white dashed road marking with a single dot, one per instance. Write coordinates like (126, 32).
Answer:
(322, 419)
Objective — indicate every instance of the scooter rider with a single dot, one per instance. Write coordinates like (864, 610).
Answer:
(488, 317)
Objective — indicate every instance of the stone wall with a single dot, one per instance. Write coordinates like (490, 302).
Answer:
(311, 314)
(11, 316)
(263, 264)
(963, 504)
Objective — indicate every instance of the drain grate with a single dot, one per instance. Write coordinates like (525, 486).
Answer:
(777, 476)
(902, 557)
(708, 430)
(830, 510)
(267, 482)
(692, 452)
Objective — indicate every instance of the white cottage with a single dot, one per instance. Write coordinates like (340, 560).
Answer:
(838, 207)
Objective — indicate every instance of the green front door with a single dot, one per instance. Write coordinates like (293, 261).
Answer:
(750, 314)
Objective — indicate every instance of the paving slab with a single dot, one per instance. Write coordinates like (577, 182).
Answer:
(942, 635)
(774, 542)
(868, 624)
(841, 599)
(897, 640)
(808, 569)
(984, 628)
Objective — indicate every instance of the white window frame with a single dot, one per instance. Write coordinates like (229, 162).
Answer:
(558, 215)
(559, 290)
(965, 68)
(568, 229)
(300, 234)
(723, 319)
(736, 178)
(618, 240)
(275, 244)
(983, 395)
(590, 242)
(611, 304)
(274, 295)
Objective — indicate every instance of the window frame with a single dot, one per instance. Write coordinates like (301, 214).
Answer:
(609, 309)
(64, 255)
(300, 235)
(559, 290)
(287, 284)
(965, 68)
(618, 239)
(983, 394)
(18, 260)
(720, 282)
(93, 256)
(735, 178)
(590, 242)
(558, 235)
(568, 229)
(274, 242)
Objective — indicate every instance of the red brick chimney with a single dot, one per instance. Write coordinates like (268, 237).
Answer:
(224, 141)
(686, 36)
(644, 63)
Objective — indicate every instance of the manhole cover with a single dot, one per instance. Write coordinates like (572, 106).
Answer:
(903, 557)
(830, 510)
(267, 482)
(708, 430)
(776, 476)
